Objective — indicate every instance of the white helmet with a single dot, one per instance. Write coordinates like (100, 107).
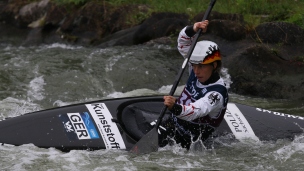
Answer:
(205, 52)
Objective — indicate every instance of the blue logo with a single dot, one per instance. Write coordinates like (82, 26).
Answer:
(90, 125)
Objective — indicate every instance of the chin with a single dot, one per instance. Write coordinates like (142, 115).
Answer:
(201, 80)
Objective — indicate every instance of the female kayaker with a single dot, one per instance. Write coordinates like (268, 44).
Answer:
(202, 104)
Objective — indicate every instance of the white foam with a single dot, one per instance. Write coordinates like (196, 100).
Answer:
(11, 107)
(114, 59)
(296, 146)
(137, 92)
(36, 89)
(60, 45)
(146, 92)
(226, 77)
(166, 89)
(59, 103)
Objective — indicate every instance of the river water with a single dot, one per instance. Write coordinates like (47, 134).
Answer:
(47, 76)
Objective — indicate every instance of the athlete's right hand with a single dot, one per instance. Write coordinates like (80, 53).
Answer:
(169, 101)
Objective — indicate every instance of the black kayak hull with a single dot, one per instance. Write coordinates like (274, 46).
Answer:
(120, 123)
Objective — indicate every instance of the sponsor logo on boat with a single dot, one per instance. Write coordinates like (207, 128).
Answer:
(79, 126)
(280, 114)
(107, 129)
(238, 124)
(68, 126)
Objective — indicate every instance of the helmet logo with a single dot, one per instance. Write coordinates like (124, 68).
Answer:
(205, 52)
(211, 49)
(212, 55)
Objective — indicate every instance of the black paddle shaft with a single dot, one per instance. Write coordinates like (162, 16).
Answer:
(182, 70)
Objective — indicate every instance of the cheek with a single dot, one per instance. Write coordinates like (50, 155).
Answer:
(207, 70)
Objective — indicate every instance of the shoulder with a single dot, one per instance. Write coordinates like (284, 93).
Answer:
(217, 93)
(218, 86)
(214, 98)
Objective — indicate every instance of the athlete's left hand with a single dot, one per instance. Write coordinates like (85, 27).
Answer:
(201, 25)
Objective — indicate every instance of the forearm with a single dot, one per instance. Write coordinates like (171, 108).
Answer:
(176, 109)
(199, 108)
(184, 41)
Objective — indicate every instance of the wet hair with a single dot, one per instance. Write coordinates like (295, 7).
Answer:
(218, 67)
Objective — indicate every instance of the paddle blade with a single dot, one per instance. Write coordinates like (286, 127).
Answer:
(147, 144)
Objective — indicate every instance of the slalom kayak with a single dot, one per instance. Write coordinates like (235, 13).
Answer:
(120, 123)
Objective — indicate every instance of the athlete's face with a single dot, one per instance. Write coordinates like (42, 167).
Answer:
(203, 71)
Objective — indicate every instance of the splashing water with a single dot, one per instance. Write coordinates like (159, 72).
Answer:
(47, 76)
